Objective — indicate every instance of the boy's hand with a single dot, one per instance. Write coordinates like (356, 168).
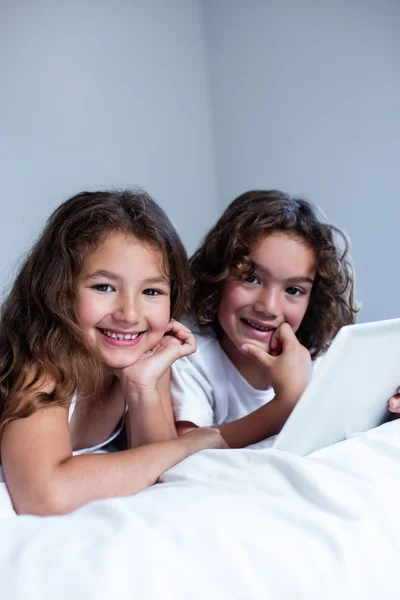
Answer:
(145, 373)
(288, 363)
(394, 403)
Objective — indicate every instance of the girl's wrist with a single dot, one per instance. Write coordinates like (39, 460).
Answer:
(190, 444)
(139, 393)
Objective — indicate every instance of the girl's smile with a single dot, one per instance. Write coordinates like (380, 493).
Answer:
(123, 298)
(120, 338)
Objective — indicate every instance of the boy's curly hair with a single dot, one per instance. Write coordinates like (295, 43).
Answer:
(225, 250)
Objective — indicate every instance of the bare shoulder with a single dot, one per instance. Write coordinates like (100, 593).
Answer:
(31, 448)
(45, 430)
(23, 402)
(29, 443)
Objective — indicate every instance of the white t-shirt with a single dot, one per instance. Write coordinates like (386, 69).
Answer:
(208, 390)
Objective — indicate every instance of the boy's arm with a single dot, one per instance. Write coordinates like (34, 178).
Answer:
(394, 403)
(255, 427)
(289, 371)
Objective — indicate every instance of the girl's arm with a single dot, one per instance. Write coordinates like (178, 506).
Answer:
(44, 478)
(145, 387)
(150, 417)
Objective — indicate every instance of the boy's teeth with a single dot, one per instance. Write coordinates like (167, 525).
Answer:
(120, 336)
(259, 327)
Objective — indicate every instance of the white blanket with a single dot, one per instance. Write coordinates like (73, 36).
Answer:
(227, 524)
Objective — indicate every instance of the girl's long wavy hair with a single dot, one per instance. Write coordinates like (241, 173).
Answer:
(39, 334)
(224, 253)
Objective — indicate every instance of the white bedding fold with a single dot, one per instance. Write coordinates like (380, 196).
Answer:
(236, 524)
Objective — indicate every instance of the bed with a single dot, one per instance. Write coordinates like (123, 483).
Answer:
(234, 524)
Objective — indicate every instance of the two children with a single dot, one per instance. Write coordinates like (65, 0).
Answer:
(88, 337)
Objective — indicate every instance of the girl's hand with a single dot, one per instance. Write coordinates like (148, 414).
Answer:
(204, 438)
(394, 403)
(145, 373)
(288, 364)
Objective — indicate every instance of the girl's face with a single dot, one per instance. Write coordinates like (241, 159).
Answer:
(123, 299)
(278, 291)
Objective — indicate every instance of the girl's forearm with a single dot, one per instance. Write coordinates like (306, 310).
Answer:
(87, 477)
(147, 419)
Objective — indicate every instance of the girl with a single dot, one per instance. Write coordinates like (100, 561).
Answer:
(86, 342)
(271, 286)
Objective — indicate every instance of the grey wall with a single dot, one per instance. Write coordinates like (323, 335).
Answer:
(306, 98)
(100, 94)
(302, 96)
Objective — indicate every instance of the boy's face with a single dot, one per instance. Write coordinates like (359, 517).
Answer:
(278, 291)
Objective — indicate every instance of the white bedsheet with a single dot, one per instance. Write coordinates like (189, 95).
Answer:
(234, 524)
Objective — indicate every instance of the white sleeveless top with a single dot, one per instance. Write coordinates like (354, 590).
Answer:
(99, 448)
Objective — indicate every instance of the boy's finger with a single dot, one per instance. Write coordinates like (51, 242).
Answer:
(284, 335)
(394, 404)
(261, 356)
(275, 344)
(182, 334)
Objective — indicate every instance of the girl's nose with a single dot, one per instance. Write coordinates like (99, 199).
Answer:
(269, 303)
(127, 310)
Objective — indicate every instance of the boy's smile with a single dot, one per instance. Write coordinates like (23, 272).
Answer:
(278, 291)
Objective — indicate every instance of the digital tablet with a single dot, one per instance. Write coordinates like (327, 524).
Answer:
(349, 390)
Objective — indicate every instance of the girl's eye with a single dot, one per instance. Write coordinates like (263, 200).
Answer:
(252, 279)
(294, 291)
(152, 292)
(103, 287)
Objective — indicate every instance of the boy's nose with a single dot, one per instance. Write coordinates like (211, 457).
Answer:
(269, 303)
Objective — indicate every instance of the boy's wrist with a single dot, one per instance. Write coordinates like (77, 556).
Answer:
(290, 394)
(285, 400)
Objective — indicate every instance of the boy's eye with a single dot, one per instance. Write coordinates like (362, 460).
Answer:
(152, 292)
(103, 287)
(252, 279)
(294, 291)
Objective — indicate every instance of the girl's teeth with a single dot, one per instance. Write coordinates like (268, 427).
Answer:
(120, 336)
